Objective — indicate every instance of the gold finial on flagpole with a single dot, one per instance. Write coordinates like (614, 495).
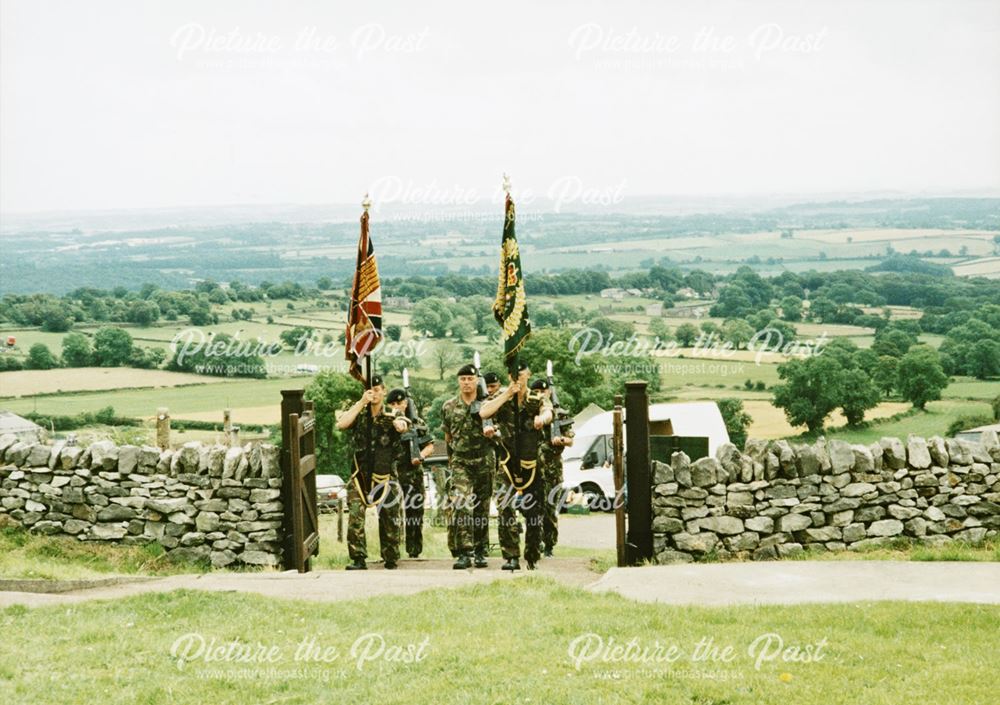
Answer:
(506, 183)
(367, 203)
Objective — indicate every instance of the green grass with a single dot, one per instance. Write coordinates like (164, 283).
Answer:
(676, 372)
(934, 421)
(144, 402)
(30, 556)
(970, 388)
(904, 549)
(504, 642)
(27, 555)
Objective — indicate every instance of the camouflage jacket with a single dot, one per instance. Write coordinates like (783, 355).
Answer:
(386, 445)
(529, 438)
(549, 454)
(407, 470)
(467, 441)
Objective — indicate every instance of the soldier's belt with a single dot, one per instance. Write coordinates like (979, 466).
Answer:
(366, 484)
(521, 478)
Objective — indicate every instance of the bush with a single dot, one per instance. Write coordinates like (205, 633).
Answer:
(105, 416)
(965, 422)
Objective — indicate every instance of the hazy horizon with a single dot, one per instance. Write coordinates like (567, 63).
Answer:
(112, 106)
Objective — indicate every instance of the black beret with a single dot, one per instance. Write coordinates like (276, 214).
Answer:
(396, 394)
(376, 380)
(522, 366)
(540, 384)
(491, 378)
(466, 370)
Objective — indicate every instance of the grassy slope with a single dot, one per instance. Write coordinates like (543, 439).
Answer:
(505, 642)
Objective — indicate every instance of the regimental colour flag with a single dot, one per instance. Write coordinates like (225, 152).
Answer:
(510, 308)
(364, 315)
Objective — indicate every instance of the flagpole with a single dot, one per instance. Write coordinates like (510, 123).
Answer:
(369, 450)
(513, 364)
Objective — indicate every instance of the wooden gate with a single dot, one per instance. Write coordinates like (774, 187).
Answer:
(298, 487)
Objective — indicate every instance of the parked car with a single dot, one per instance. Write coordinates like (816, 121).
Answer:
(587, 463)
(330, 489)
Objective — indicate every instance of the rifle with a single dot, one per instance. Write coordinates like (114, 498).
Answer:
(561, 420)
(481, 394)
(416, 437)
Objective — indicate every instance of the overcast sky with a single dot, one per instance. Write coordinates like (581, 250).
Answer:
(130, 104)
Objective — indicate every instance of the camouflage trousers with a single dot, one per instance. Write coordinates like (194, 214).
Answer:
(389, 521)
(469, 514)
(529, 504)
(552, 477)
(442, 503)
(412, 482)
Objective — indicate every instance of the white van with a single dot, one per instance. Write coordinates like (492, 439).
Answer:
(587, 463)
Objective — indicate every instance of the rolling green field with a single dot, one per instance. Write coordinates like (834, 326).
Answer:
(932, 422)
(709, 376)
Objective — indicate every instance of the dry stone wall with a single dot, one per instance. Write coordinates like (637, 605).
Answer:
(774, 499)
(207, 502)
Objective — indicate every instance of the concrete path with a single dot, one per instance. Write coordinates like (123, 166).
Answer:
(772, 582)
(322, 586)
(792, 582)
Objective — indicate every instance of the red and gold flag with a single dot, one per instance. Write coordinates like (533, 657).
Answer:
(364, 314)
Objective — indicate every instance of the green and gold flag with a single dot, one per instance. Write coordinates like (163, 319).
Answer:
(511, 305)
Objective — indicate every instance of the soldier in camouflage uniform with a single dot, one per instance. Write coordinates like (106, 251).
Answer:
(550, 452)
(381, 490)
(411, 474)
(533, 413)
(470, 460)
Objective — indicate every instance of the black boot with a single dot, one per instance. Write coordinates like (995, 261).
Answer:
(548, 553)
(480, 561)
(531, 565)
(357, 564)
(390, 565)
(511, 564)
(464, 561)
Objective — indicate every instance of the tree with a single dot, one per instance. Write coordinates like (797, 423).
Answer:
(737, 420)
(791, 309)
(543, 318)
(393, 332)
(293, 336)
(461, 329)
(40, 358)
(921, 376)
(686, 334)
(112, 347)
(330, 392)
(222, 356)
(579, 383)
(886, 374)
(984, 359)
(77, 351)
(143, 313)
(659, 328)
(324, 283)
(893, 342)
(445, 355)
(431, 316)
(859, 394)
(737, 332)
(812, 389)
(56, 318)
